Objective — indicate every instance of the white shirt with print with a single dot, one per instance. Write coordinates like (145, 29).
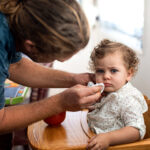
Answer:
(119, 109)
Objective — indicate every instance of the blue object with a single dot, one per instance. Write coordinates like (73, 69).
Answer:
(8, 54)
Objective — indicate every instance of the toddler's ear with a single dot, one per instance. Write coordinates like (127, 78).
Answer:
(130, 74)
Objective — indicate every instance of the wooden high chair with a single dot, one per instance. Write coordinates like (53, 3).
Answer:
(74, 133)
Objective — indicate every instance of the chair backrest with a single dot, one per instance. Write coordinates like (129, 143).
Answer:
(147, 119)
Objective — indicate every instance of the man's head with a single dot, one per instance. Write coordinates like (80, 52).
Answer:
(52, 28)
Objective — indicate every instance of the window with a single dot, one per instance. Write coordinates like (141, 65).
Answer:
(123, 20)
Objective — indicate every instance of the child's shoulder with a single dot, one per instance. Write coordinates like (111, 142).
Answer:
(129, 95)
(128, 90)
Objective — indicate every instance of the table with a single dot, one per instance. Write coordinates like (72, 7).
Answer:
(72, 134)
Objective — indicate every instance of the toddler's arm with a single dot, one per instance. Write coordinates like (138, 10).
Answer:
(121, 136)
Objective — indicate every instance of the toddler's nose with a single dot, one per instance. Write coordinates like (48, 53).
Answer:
(107, 75)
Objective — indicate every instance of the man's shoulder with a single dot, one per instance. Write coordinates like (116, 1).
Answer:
(3, 21)
(4, 29)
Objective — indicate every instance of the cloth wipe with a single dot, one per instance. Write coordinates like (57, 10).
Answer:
(97, 84)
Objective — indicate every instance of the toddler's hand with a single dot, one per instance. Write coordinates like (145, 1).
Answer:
(98, 142)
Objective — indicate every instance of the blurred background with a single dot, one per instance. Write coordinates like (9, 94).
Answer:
(125, 21)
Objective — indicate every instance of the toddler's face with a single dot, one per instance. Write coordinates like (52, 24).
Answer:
(111, 71)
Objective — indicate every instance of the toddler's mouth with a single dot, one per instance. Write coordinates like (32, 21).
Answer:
(107, 84)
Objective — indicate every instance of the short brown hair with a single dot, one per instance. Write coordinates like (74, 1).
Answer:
(55, 26)
(107, 47)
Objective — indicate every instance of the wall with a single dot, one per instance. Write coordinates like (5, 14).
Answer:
(142, 79)
(79, 62)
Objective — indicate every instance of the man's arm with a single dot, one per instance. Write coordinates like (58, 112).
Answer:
(73, 99)
(29, 73)
(20, 116)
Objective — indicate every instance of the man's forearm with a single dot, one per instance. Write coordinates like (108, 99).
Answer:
(31, 74)
(73, 99)
(21, 116)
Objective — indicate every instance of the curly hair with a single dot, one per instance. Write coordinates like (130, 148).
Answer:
(107, 47)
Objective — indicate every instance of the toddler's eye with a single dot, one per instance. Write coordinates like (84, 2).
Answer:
(114, 70)
(100, 71)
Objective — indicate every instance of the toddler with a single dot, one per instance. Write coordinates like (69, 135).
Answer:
(118, 116)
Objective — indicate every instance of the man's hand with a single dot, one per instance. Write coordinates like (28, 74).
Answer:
(84, 78)
(42, 77)
(79, 97)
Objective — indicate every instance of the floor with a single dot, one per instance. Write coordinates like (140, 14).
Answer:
(18, 148)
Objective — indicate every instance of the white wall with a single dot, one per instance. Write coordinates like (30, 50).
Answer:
(142, 79)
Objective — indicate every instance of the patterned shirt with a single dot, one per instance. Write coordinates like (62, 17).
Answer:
(119, 109)
(8, 54)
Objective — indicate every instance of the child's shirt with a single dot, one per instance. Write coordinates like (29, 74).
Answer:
(119, 109)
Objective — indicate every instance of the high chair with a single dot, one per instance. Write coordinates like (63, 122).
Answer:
(74, 133)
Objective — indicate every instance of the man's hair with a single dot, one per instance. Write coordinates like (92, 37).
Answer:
(107, 47)
(55, 26)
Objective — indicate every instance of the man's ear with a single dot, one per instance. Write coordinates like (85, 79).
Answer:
(29, 45)
(130, 74)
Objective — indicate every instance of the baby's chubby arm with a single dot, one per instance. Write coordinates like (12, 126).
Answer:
(122, 136)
